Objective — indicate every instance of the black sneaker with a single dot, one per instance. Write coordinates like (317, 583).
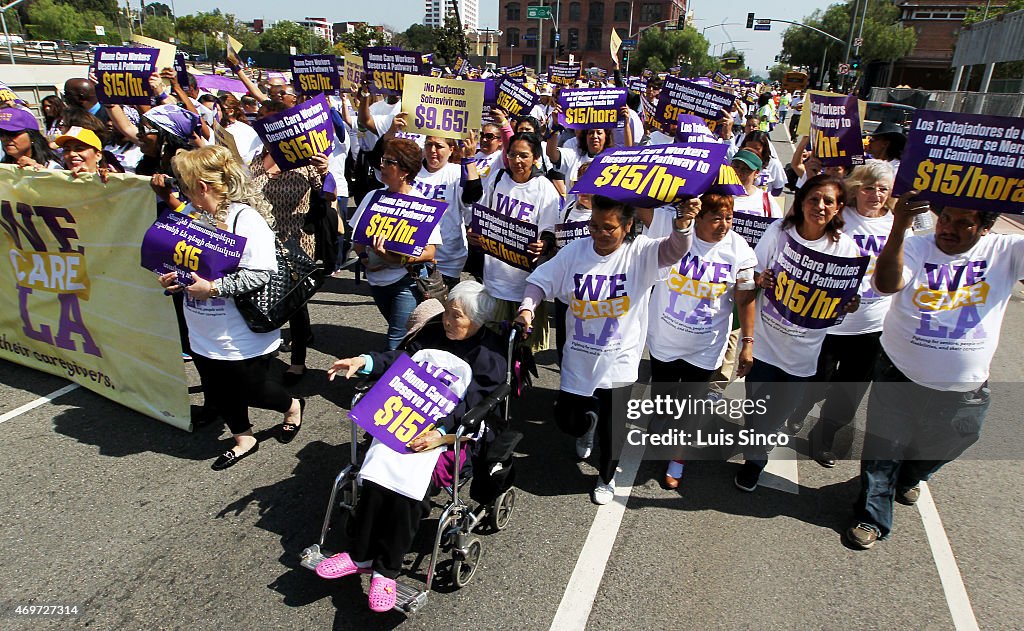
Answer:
(861, 536)
(826, 459)
(908, 496)
(747, 477)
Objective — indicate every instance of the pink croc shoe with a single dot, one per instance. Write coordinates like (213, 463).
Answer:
(383, 594)
(338, 566)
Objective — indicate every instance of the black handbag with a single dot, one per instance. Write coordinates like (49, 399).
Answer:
(429, 286)
(297, 278)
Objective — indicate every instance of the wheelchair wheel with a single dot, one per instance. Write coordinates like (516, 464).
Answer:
(501, 510)
(463, 571)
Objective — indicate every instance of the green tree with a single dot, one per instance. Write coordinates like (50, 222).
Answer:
(417, 37)
(450, 42)
(362, 37)
(778, 71)
(884, 38)
(159, 27)
(50, 20)
(280, 37)
(107, 8)
(660, 50)
(158, 8)
(734, 63)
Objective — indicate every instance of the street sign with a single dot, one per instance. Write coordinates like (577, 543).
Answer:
(844, 69)
(538, 13)
(558, 37)
(530, 37)
(858, 42)
(101, 30)
(629, 44)
(762, 21)
(762, 27)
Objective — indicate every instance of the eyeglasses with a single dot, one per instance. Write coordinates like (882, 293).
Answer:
(488, 136)
(609, 229)
(881, 190)
(388, 162)
(520, 156)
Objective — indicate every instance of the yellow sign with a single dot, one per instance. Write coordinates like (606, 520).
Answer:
(614, 42)
(74, 301)
(353, 75)
(449, 108)
(803, 128)
(167, 51)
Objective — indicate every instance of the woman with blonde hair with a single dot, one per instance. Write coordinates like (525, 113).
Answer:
(232, 360)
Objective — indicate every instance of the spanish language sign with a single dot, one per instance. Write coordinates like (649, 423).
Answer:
(408, 400)
(177, 243)
(404, 221)
(295, 135)
(180, 70)
(835, 131)
(449, 108)
(514, 97)
(518, 71)
(74, 301)
(653, 176)
(965, 160)
(751, 227)
(564, 74)
(811, 287)
(679, 96)
(692, 128)
(503, 237)
(122, 74)
(591, 108)
(315, 74)
(568, 232)
(353, 73)
(387, 69)
(727, 182)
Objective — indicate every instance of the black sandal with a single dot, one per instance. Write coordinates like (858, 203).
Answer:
(229, 458)
(286, 432)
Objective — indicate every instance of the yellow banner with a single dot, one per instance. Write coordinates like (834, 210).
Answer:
(74, 301)
(614, 42)
(353, 75)
(442, 107)
(166, 58)
(803, 128)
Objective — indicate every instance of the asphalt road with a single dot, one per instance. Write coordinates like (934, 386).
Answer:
(122, 516)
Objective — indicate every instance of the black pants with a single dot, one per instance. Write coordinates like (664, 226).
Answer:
(385, 526)
(302, 333)
(560, 310)
(232, 387)
(678, 371)
(610, 405)
(179, 312)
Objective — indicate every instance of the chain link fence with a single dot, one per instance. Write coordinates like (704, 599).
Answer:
(946, 101)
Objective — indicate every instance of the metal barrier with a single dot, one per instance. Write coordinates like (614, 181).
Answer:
(967, 102)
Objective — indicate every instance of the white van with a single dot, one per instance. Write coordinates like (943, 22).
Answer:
(14, 40)
(42, 47)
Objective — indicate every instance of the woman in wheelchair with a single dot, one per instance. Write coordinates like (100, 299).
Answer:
(386, 521)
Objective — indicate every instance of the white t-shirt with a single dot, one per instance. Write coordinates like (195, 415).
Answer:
(485, 163)
(535, 201)
(216, 330)
(779, 342)
(390, 274)
(870, 235)
(754, 205)
(943, 327)
(247, 141)
(773, 176)
(606, 324)
(571, 161)
(443, 185)
(691, 310)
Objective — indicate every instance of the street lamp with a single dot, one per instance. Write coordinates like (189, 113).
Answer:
(510, 51)
(704, 30)
(3, 18)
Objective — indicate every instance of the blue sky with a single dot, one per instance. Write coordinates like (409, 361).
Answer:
(399, 14)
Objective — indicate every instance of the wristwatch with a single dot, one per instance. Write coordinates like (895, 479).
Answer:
(214, 292)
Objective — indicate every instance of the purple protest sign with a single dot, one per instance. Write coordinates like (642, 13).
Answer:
(564, 74)
(180, 69)
(387, 68)
(686, 97)
(692, 128)
(514, 97)
(835, 130)
(965, 160)
(295, 135)
(503, 237)
(728, 183)
(406, 401)
(721, 78)
(653, 176)
(178, 243)
(811, 287)
(404, 221)
(217, 83)
(591, 108)
(568, 232)
(316, 74)
(490, 92)
(518, 72)
(751, 227)
(122, 74)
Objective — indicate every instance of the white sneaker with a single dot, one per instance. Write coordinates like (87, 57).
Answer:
(585, 443)
(604, 493)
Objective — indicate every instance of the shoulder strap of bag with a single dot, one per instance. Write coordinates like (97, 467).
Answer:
(767, 205)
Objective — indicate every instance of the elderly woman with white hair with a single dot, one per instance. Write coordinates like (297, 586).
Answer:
(386, 521)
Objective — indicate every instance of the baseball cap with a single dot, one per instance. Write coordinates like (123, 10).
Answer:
(748, 158)
(81, 134)
(17, 119)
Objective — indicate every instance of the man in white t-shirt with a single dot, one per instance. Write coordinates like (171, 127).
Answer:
(930, 395)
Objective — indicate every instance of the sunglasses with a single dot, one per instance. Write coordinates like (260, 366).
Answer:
(388, 162)
(488, 136)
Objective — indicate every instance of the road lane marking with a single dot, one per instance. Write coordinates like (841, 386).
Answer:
(578, 599)
(949, 573)
(40, 401)
(783, 473)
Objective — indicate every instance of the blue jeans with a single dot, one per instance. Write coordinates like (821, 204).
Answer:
(395, 302)
(912, 431)
(780, 393)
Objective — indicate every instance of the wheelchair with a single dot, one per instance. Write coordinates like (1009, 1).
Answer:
(491, 489)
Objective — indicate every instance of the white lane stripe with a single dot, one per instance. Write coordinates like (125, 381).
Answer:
(949, 573)
(40, 401)
(578, 599)
(782, 472)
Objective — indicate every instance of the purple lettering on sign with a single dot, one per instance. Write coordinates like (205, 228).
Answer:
(504, 237)
(404, 221)
(297, 134)
(122, 74)
(591, 108)
(178, 243)
(316, 74)
(811, 287)
(835, 130)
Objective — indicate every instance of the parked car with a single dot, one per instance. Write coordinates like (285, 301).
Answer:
(42, 47)
(879, 112)
(82, 47)
(13, 40)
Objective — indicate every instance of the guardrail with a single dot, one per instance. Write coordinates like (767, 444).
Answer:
(947, 101)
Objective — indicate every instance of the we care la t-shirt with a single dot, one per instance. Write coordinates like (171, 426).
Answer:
(691, 310)
(606, 324)
(443, 185)
(779, 342)
(943, 327)
(870, 235)
(536, 201)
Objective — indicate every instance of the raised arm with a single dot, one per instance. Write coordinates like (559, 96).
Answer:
(673, 247)
(888, 276)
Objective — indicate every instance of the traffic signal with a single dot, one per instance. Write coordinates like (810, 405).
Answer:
(681, 22)
(778, 57)
(750, 20)
(561, 49)
(854, 63)
(625, 56)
